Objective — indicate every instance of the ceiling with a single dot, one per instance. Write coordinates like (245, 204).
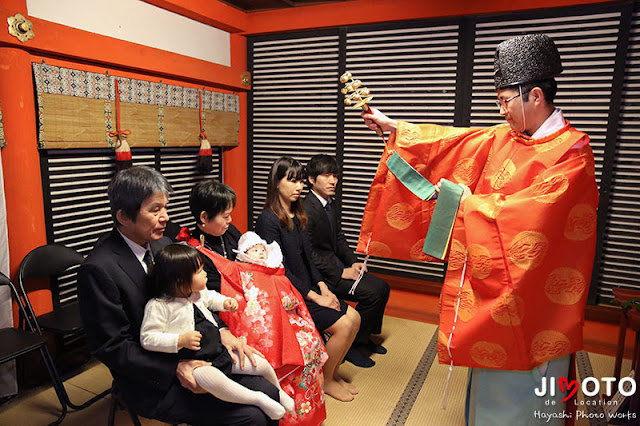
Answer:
(261, 5)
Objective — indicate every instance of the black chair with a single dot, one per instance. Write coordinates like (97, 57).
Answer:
(51, 261)
(15, 342)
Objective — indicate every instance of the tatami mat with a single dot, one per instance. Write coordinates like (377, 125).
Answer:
(382, 385)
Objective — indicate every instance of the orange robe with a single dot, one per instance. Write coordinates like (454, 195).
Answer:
(522, 245)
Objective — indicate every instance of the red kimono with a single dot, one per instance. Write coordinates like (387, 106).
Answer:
(522, 245)
(274, 319)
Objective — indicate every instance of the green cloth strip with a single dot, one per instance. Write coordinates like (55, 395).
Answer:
(444, 216)
(410, 177)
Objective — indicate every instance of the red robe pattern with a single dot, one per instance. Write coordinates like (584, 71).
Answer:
(274, 319)
(522, 246)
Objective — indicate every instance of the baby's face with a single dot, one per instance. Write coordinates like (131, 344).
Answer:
(257, 252)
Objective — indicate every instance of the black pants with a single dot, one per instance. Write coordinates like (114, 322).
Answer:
(371, 296)
(183, 406)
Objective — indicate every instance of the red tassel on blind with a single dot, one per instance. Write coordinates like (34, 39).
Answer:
(124, 159)
(204, 165)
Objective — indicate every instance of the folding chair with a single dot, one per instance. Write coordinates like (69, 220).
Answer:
(51, 261)
(16, 342)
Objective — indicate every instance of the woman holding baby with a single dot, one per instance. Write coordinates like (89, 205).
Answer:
(272, 315)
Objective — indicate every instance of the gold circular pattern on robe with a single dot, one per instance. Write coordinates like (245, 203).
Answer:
(504, 175)
(491, 207)
(416, 252)
(552, 188)
(466, 171)
(408, 135)
(488, 354)
(456, 256)
(528, 249)
(479, 261)
(549, 344)
(565, 286)
(469, 304)
(548, 146)
(443, 353)
(400, 216)
(581, 223)
(379, 249)
(508, 309)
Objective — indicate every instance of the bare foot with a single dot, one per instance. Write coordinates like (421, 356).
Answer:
(351, 388)
(337, 391)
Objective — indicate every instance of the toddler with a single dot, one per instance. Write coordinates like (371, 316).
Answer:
(177, 320)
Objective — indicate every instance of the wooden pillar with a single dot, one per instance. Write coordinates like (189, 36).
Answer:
(21, 164)
(235, 170)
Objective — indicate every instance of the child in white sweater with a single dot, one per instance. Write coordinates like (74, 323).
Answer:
(177, 320)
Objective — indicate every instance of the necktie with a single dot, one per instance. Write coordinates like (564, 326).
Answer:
(329, 209)
(148, 260)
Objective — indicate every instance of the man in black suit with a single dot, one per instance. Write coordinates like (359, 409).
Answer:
(112, 290)
(337, 262)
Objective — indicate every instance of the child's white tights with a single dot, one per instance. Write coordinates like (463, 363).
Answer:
(222, 387)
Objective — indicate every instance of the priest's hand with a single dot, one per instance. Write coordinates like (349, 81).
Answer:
(376, 118)
(466, 191)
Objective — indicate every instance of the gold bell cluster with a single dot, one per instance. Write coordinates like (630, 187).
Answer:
(357, 95)
(354, 93)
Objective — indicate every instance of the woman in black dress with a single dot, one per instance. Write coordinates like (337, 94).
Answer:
(283, 220)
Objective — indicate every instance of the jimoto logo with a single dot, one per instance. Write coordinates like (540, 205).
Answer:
(550, 386)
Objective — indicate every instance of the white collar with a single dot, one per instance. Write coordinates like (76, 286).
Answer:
(322, 200)
(137, 249)
(551, 125)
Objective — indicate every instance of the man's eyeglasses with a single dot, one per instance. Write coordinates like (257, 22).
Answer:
(503, 103)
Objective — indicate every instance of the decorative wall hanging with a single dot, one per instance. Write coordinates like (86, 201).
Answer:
(123, 151)
(204, 163)
(76, 109)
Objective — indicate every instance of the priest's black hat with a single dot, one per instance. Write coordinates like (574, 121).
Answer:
(526, 59)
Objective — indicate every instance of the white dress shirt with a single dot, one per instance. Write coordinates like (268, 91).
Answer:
(138, 250)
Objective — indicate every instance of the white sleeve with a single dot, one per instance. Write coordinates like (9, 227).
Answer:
(152, 333)
(213, 300)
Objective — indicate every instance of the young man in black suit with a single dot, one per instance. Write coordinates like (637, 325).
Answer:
(112, 293)
(337, 262)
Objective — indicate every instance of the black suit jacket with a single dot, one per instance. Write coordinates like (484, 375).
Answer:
(296, 251)
(329, 249)
(112, 293)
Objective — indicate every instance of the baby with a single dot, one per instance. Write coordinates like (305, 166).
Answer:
(253, 249)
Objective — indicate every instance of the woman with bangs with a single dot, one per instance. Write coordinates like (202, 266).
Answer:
(284, 220)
